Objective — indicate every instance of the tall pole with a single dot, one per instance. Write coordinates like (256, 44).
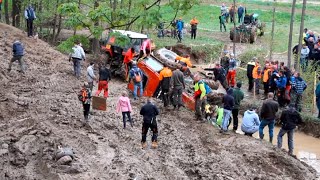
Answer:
(272, 30)
(234, 25)
(296, 62)
(290, 32)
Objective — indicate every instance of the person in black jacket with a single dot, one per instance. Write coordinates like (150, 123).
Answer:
(104, 78)
(250, 67)
(268, 115)
(228, 105)
(289, 119)
(149, 112)
(219, 74)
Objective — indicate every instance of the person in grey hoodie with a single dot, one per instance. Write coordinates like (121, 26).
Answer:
(90, 75)
(250, 121)
(228, 105)
(177, 82)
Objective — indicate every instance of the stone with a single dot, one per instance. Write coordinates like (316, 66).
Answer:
(5, 146)
(65, 160)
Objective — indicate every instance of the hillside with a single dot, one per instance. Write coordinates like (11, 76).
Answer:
(40, 110)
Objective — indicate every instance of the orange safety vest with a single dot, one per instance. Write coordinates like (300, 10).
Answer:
(266, 75)
(255, 73)
(165, 73)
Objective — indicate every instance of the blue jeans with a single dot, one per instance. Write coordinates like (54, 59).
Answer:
(135, 90)
(226, 118)
(282, 132)
(270, 125)
(76, 66)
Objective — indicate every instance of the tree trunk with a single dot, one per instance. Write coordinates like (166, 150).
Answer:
(296, 62)
(234, 25)
(55, 20)
(290, 32)
(40, 23)
(59, 27)
(6, 11)
(16, 7)
(272, 30)
(95, 42)
(129, 10)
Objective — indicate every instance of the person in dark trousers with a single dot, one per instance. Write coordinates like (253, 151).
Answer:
(268, 115)
(317, 92)
(298, 87)
(30, 16)
(104, 78)
(240, 14)
(125, 108)
(165, 80)
(179, 30)
(289, 120)
(281, 85)
(228, 105)
(178, 85)
(136, 75)
(18, 53)
(194, 24)
(219, 75)
(238, 96)
(222, 20)
(250, 67)
(149, 112)
(77, 56)
(85, 97)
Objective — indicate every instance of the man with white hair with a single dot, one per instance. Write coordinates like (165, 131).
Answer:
(18, 53)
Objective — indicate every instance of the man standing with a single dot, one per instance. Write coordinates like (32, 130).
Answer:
(219, 75)
(90, 75)
(149, 112)
(256, 74)
(222, 20)
(289, 119)
(238, 96)
(85, 97)
(194, 23)
(228, 105)
(136, 76)
(18, 52)
(250, 66)
(77, 55)
(200, 98)
(165, 80)
(250, 121)
(231, 76)
(281, 85)
(317, 92)
(298, 86)
(128, 57)
(178, 84)
(104, 78)
(268, 115)
(30, 15)
(179, 29)
(266, 79)
(240, 14)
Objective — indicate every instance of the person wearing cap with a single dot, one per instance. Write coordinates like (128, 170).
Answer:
(250, 121)
(250, 66)
(289, 120)
(231, 75)
(149, 112)
(85, 97)
(238, 96)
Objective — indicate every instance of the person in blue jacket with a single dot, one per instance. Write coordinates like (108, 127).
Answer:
(179, 29)
(281, 85)
(18, 52)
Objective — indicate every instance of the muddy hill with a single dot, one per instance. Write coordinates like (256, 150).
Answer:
(39, 111)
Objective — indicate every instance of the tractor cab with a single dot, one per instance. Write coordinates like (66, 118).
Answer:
(116, 45)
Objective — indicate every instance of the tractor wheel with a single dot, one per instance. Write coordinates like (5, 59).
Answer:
(253, 35)
(232, 32)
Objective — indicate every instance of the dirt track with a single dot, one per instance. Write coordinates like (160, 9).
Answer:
(40, 110)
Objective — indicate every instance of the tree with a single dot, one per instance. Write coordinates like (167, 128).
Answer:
(6, 11)
(272, 30)
(296, 63)
(290, 32)
(234, 26)
(16, 9)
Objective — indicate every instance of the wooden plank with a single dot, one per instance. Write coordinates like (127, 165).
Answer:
(99, 103)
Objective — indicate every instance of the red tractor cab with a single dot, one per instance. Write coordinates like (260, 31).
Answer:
(151, 68)
(116, 45)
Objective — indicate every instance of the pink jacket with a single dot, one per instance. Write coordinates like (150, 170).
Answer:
(124, 105)
(146, 44)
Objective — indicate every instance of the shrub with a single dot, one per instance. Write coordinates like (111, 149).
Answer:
(66, 46)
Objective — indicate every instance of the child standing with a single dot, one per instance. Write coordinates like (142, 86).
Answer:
(124, 106)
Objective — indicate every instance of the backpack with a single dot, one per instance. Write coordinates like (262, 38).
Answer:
(30, 13)
(83, 95)
(206, 86)
(137, 77)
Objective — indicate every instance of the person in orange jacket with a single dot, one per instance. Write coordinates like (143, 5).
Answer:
(165, 79)
(186, 64)
(128, 57)
(194, 23)
(256, 74)
(265, 78)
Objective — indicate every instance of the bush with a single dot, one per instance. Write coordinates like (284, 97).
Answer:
(247, 56)
(66, 46)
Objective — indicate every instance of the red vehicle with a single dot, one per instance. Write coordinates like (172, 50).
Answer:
(151, 68)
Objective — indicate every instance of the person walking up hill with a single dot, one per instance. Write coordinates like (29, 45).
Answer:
(18, 53)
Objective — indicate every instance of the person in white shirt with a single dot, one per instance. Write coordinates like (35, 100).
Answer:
(77, 55)
(304, 57)
(90, 75)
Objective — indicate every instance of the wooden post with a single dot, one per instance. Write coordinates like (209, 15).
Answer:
(314, 92)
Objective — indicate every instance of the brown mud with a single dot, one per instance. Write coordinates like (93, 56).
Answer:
(40, 110)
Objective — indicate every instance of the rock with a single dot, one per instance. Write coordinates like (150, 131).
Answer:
(5, 146)
(34, 132)
(19, 160)
(65, 160)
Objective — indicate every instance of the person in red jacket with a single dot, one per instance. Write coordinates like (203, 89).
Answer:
(128, 57)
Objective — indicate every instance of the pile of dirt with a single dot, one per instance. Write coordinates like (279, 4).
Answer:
(182, 50)
(40, 110)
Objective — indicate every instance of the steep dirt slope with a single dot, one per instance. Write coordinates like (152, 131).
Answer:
(40, 110)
